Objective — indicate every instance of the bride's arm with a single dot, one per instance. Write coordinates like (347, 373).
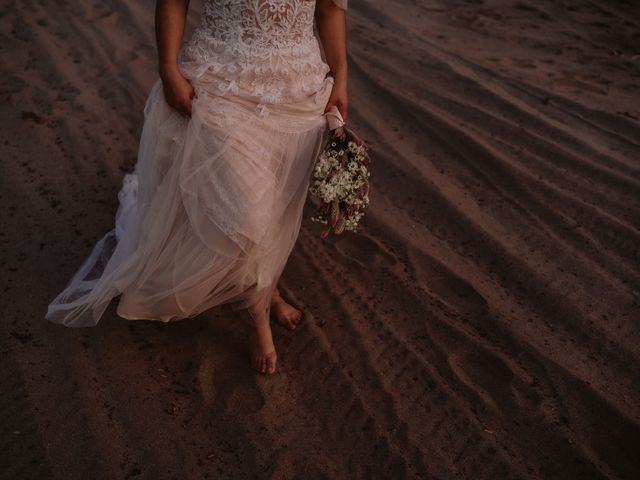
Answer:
(331, 23)
(170, 19)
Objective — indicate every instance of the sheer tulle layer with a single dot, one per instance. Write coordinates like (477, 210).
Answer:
(210, 213)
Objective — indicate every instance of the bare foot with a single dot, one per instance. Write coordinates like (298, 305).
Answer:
(263, 351)
(286, 314)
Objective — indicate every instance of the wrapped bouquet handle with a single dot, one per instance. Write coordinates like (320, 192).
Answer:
(341, 177)
(334, 118)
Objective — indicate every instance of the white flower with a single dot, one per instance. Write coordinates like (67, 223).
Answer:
(335, 179)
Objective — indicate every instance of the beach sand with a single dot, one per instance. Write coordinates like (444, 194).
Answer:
(483, 325)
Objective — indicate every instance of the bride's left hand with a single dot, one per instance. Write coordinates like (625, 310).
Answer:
(339, 98)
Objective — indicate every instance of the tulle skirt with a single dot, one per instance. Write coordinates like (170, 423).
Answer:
(210, 213)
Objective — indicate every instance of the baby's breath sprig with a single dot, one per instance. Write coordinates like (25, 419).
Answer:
(341, 182)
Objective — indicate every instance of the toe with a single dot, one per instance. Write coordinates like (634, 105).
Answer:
(271, 364)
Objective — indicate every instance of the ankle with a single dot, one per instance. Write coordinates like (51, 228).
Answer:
(256, 319)
(276, 293)
(277, 300)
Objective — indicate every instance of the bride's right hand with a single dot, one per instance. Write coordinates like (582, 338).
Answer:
(178, 91)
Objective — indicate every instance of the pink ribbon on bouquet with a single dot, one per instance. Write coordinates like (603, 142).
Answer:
(334, 118)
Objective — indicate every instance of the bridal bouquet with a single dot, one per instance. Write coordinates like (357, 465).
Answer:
(341, 178)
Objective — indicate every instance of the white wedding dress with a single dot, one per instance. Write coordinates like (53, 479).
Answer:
(214, 205)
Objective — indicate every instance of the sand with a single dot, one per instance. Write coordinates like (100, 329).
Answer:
(484, 324)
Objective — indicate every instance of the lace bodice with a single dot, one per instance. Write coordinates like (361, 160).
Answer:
(262, 49)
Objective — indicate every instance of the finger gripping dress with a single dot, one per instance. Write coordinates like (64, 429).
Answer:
(213, 207)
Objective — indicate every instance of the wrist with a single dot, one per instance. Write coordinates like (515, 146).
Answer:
(340, 77)
(168, 71)
(339, 81)
(339, 73)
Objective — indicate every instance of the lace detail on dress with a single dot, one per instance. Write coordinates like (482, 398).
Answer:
(259, 25)
(263, 49)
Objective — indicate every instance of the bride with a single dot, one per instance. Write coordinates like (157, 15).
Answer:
(232, 128)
